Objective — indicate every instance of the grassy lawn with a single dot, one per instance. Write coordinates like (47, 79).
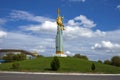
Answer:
(66, 65)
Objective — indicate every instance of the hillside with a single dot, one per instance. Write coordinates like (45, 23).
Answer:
(67, 65)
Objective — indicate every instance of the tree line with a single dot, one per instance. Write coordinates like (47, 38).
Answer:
(14, 57)
(115, 61)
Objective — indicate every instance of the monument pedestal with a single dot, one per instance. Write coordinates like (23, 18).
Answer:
(60, 55)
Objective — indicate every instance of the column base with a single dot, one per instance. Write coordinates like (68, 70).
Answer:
(59, 52)
(60, 55)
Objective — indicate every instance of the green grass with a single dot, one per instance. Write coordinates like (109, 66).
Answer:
(66, 65)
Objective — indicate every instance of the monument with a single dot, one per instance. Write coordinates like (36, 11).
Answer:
(59, 36)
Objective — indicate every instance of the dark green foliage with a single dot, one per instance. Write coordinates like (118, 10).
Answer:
(115, 61)
(81, 56)
(77, 55)
(55, 64)
(19, 57)
(93, 67)
(8, 57)
(107, 62)
(40, 56)
(15, 65)
(99, 61)
(14, 57)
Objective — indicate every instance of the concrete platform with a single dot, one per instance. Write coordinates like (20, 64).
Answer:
(60, 55)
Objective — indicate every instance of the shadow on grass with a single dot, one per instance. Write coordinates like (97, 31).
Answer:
(48, 69)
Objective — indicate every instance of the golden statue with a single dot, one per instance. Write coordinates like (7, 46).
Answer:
(59, 20)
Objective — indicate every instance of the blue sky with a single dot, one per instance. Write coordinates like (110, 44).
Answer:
(92, 26)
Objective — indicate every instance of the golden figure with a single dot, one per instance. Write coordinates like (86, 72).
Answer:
(59, 20)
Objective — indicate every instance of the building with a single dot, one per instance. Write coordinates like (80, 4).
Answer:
(29, 55)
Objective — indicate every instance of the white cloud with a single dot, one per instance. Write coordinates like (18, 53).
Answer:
(2, 21)
(76, 32)
(73, 23)
(47, 26)
(39, 50)
(73, 29)
(23, 15)
(84, 21)
(77, 0)
(106, 45)
(2, 34)
(118, 6)
(97, 45)
(28, 42)
(99, 33)
(81, 26)
(69, 53)
(113, 36)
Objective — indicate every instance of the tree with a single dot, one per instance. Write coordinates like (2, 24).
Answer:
(115, 61)
(77, 55)
(14, 57)
(80, 56)
(55, 64)
(8, 57)
(99, 61)
(107, 62)
(15, 65)
(93, 67)
(40, 56)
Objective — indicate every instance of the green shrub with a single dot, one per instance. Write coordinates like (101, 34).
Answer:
(15, 65)
(9, 57)
(55, 64)
(14, 57)
(99, 61)
(80, 56)
(107, 62)
(93, 67)
(115, 61)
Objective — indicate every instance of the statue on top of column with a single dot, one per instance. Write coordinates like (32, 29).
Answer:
(59, 20)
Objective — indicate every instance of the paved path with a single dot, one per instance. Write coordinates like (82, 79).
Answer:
(55, 76)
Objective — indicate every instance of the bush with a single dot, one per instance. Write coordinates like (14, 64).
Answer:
(99, 61)
(40, 56)
(77, 55)
(93, 67)
(115, 61)
(80, 56)
(15, 65)
(107, 62)
(14, 57)
(55, 64)
(9, 57)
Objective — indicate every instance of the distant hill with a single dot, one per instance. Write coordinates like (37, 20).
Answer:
(67, 65)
